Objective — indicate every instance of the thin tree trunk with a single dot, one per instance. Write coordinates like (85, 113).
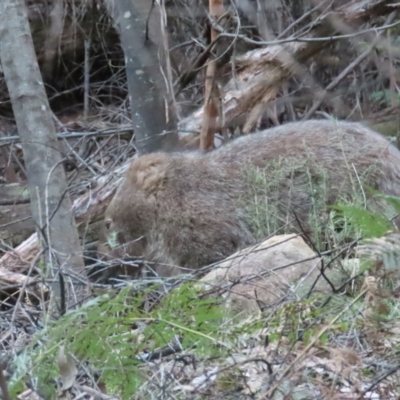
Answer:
(151, 114)
(50, 202)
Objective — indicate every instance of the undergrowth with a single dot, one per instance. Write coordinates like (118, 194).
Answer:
(108, 334)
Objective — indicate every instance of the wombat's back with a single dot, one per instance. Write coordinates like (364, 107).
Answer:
(337, 146)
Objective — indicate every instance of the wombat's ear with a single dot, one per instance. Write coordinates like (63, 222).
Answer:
(148, 172)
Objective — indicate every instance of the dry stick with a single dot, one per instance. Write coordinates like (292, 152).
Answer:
(309, 39)
(210, 98)
(378, 381)
(87, 81)
(167, 75)
(391, 72)
(202, 58)
(23, 288)
(95, 393)
(148, 20)
(71, 135)
(339, 78)
(270, 392)
(198, 64)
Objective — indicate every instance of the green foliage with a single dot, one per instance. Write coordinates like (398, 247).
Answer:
(369, 223)
(373, 221)
(393, 201)
(384, 97)
(368, 372)
(229, 380)
(303, 320)
(103, 335)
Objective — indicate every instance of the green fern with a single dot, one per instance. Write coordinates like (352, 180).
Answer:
(369, 223)
(101, 335)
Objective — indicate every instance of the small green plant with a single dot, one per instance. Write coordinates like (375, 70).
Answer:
(229, 380)
(373, 221)
(279, 188)
(369, 224)
(384, 97)
(104, 336)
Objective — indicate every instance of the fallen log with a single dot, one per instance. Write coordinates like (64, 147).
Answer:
(16, 223)
(14, 279)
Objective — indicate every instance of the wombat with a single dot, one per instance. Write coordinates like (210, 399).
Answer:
(183, 211)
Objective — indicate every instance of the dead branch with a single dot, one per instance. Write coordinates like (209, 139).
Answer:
(13, 278)
(210, 115)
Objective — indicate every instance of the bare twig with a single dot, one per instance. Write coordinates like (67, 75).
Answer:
(87, 80)
(344, 73)
(306, 40)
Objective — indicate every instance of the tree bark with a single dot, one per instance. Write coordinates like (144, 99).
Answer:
(149, 102)
(50, 202)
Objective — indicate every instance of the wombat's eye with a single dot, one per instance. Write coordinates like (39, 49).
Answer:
(107, 224)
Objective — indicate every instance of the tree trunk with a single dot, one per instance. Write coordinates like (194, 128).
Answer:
(150, 112)
(50, 202)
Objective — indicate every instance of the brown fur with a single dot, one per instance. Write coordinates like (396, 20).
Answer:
(186, 210)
